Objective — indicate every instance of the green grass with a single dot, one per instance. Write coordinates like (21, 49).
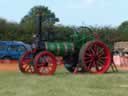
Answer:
(63, 84)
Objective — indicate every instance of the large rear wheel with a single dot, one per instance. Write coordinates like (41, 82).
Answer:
(95, 57)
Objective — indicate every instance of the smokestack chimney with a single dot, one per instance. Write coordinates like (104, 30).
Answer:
(38, 40)
(39, 25)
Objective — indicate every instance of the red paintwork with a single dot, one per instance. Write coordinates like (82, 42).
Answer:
(45, 63)
(25, 61)
(97, 57)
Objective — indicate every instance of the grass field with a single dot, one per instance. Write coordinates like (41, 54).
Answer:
(63, 84)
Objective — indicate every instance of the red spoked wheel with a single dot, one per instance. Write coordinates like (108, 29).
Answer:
(45, 63)
(95, 57)
(26, 64)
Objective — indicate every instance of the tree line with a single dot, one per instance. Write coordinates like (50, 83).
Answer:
(25, 29)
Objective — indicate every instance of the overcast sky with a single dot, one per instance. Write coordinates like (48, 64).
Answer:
(71, 12)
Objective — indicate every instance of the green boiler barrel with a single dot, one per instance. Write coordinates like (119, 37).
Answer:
(60, 48)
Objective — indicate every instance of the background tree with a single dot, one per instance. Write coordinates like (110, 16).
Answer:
(123, 31)
(28, 21)
(8, 30)
(2, 28)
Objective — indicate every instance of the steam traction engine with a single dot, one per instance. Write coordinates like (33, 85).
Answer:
(81, 54)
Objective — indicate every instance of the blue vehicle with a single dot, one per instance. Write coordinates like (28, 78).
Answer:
(13, 49)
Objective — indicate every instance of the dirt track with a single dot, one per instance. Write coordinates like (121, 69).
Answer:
(9, 66)
(13, 66)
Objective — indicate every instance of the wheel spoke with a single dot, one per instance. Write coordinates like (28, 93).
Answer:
(97, 66)
(87, 54)
(101, 52)
(101, 61)
(88, 61)
(92, 51)
(26, 67)
(89, 66)
(103, 58)
(87, 58)
(95, 48)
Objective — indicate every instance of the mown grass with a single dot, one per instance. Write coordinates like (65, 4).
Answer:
(64, 84)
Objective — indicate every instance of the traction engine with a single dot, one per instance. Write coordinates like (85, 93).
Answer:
(82, 53)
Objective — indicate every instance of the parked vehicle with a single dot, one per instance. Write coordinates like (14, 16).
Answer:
(13, 49)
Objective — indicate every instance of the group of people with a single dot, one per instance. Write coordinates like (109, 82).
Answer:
(120, 58)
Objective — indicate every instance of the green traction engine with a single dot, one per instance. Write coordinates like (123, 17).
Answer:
(82, 53)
